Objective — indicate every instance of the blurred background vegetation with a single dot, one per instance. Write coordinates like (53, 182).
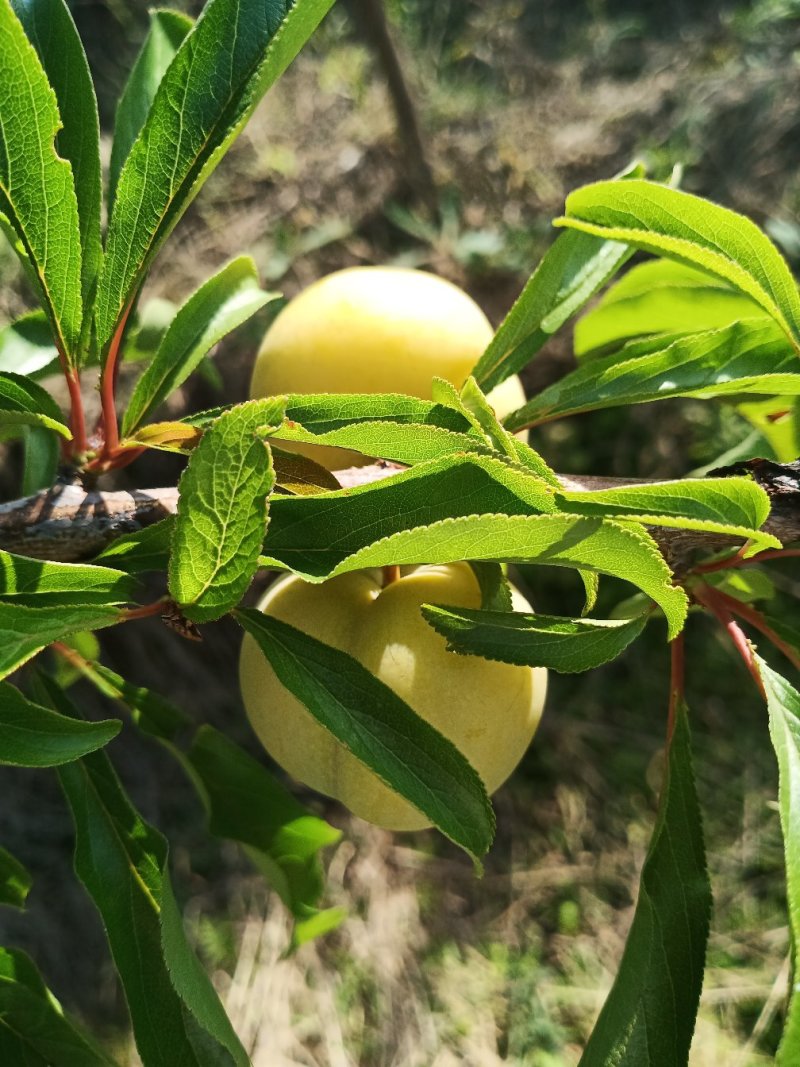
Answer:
(517, 102)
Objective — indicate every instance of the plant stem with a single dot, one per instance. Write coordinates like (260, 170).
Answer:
(145, 611)
(108, 387)
(77, 419)
(676, 681)
(756, 619)
(738, 560)
(712, 599)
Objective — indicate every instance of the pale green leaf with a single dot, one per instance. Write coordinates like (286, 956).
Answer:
(37, 192)
(33, 736)
(51, 29)
(562, 644)
(694, 231)
(222, 511)
(657, 297)
(226, 63)
(221, 304)
(648, 1018)
(166, 34)
(380, 729)
(26, 345)
(749, 358)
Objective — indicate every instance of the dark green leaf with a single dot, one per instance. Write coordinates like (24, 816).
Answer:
(51, 30)
(494, 586)
(693, 231)
(25, 631)
(24, 403)
(33, 736)
(221, 304)
(38, 583)
(37, 192)
(34, 1032)
(15, 881)
(380, 729)
(220, 72)
(166, 34)
(783, 702)
(222, 511)
(41, 459)
(564, 645)
(751, 357)
(141, 550)
(152, 713)
(247, 804)
(177, 1018)
(26, 345)
(649, 1016)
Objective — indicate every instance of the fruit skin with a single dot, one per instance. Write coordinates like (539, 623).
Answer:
(489, 710)
(375, 330)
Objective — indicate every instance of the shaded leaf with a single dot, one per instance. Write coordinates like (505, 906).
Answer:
(33, 736)
(26, 345)
(41, 456)
(15, 881)
(564, 645)
(380, 729)
(24, 403)
(222, 511)
(649, 1016)
(151, 712)
(141, 550)
(39, 583)
(37, 192)
(25, 631)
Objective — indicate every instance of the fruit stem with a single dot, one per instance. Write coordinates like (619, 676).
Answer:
(391, 573)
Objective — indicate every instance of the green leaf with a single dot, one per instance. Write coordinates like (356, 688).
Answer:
(324, 413)
(735, 506)
(41, 459)
(380, 729)
(15, 881)
(24, 403)
(221, 304)
(51, 30)
(234, 53)
(655, 297)
(247, 804)
(166, 34)
(33, 736)
(141, 550)
(34, 1031)
(300, 475)
(573, 269)
(564, 645)
(671, 223)
(25, 631)
(83, 644)
(123, 862)
(748, 358)
(38, 583)
(37, 192)
(749, 585)
(150, 712)
(783, 703)
(26, 345)
(222, 511)
(494, 586)
(649, 1016)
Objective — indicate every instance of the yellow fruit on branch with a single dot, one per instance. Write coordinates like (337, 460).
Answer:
(375, 330)
(489, 710)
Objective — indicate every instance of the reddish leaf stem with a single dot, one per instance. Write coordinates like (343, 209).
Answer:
(145, 611)
(738, 560)
(757, 620)
(108, 390)
(77, 419)
(712, 599)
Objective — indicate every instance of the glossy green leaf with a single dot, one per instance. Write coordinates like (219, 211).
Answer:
(221, 304)
(25, 631)
(564, 645)
(220, 72)
(37, 192)
(51, 29)
(573, 269)
(33, 736)
(141, 550)
(748, 358)
(734, 506)
(34, 1031)
(380, 729)
(783, 702)
(657, 297)
(166, 34)
(123, 862)
(671, 223)
(247, 804)
(649, 1016)
(39, 583)
(222, 511)
(24, 403)
(15, 881)
(26, 345)
(41, 458)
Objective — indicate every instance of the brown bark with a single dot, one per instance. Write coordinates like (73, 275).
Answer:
(68, 523)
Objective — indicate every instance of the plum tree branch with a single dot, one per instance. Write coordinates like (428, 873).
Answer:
(69, 523)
